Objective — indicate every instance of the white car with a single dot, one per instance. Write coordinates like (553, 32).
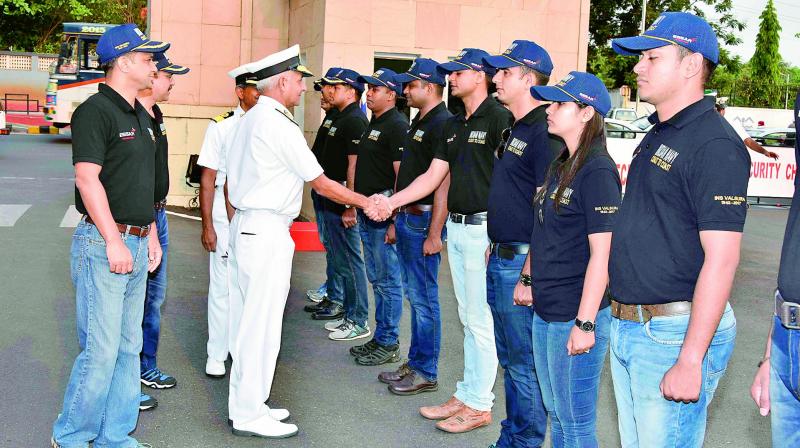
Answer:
(622, 114)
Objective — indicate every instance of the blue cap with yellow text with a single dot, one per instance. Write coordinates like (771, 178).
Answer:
(123, 39)
(423, 69)
(468, 59)
(383, 77)
(522, 52)
(577, 87)
(165, 65)
(673, 28)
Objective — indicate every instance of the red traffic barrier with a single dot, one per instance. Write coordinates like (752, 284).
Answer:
(306, 238)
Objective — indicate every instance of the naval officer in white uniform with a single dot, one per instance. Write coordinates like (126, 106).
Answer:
(268, 162)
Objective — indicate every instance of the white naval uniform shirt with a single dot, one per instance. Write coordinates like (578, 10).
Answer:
(268, 161)
(218, 137)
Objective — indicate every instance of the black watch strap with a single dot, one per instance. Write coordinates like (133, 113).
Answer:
(586, 326)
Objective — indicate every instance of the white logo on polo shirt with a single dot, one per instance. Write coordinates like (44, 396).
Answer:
(327, 124)
(517, 146)
(478, 137)
(128, 135)
(332, 131)
(374, 135)
(418, 135)
(566, 195)
(664, 157)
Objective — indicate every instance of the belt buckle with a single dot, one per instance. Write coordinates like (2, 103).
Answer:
(790, 315)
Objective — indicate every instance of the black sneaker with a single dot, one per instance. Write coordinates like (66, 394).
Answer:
(363, 349)
(381, 355)
(146, 402)
(314, 307)
(157, 379)
(332, 312)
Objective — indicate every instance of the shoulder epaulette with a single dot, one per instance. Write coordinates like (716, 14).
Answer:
(221, 117)
(288, 116)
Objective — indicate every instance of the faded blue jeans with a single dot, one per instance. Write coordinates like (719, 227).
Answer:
(334, 292)
(154, 298)
(570, 384)
(641, 353)
(784, 386)
(384, 272)
(348, 266)
(101, 401)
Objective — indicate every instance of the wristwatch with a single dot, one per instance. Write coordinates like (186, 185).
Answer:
(525, 279)
(586, 326)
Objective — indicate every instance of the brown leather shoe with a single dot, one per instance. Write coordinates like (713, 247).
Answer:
(465, 420)
(442, 411)
(397, 375)
(413, 384)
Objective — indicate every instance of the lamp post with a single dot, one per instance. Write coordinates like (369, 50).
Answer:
(641, 31)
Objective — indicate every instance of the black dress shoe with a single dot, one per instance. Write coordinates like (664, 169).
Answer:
(314, 307)
(396, 375)
(413, 384)
(332, 312)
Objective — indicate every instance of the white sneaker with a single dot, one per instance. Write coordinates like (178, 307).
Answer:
(349, 331)
(334, 324)
(314, 295)
(266, 427)
(214, 368)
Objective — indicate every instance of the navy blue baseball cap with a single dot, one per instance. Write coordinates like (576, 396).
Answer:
(327, 79)
(522, 52)
(165, 65)
(124, 39)
(577, 87)
(384, 77)
(423, 69)
(468, 59)
(346, 76)
(678, 28)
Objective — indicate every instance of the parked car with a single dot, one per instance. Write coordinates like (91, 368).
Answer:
(622, 114)
(620, 129)
(777, 137)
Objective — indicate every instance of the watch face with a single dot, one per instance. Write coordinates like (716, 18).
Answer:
(587, 326)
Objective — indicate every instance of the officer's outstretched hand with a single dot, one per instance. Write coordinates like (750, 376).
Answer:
(381, 208)
(153, 252)
(119, 257)
(209, 239)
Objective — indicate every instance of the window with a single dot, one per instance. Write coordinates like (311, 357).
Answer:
(399, 63)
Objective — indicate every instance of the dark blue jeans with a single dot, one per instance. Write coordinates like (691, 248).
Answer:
(348, 265)
(784, 385)
(154, 298)
(526, 417)
(383, 271)
(332, 286)
(421, 282)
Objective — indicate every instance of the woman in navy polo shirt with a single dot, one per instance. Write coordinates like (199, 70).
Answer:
(569, 258)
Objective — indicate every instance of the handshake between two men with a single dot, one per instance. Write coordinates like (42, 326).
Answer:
(380, 208)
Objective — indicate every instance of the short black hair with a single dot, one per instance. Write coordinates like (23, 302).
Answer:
(708, 66)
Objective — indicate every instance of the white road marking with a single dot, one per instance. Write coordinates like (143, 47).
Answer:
(71, 218)
(184, 216)
(10, 213)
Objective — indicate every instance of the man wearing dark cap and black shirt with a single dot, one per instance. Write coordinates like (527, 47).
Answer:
(419, 228)
(339, 162)
(113, 149)
(676, 242)
(775, 386)
(523, 158)
(468, 151)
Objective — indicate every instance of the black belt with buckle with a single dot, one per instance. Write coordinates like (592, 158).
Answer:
(508, 251)
(160, 205)
(788, 312)
(473, 219)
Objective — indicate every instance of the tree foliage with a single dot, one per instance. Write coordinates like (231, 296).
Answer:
(766, 59)
(35, 25)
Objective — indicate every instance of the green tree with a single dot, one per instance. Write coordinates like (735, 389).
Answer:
(766, 59)
(35, 25)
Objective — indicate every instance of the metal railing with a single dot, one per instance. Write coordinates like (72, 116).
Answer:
(20, 97)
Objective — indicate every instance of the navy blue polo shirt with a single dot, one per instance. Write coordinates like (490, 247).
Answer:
(789, 271)
(418, 148)
(322, 133)
(527, 152)
(469, 145)
(342, 141)
(379, 147)
(162, 155)
(689, 174)
(560, 240)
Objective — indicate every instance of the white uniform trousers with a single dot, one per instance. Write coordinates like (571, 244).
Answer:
(260, 267)
(217, 346)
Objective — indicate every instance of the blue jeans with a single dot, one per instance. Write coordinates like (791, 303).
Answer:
(383, 271)
(101, 401)
(421, 281)
(784, 386)
(641, 353)
(526, 418)
(154, 298)
(335, 294)
(570, 384)
(348, 265)
(466, 248)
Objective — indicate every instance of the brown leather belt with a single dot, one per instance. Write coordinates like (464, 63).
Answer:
(631, 312)
(160, 205)
(141, 232)
(416, 209)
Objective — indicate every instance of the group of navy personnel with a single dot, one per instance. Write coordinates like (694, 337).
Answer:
(528, 197)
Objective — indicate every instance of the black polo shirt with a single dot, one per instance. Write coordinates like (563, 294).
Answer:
(688, 174)
(342, 140)
(468, 145)
(418, 148)
(322, 133)
(380, 146)
(789, 271)
(108, 132)
(162, 155)
(560, 240)
(527, 152)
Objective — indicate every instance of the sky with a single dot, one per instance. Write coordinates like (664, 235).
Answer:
(789, 17)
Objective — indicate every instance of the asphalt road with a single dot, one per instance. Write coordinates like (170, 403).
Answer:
(334, 402)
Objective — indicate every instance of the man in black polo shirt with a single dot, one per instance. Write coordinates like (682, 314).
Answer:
(114, 154)
(339, 162)
(156, 290)
(775, 386)
(676, 242)
(467, 151)
(523, 158)
(419, 231)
